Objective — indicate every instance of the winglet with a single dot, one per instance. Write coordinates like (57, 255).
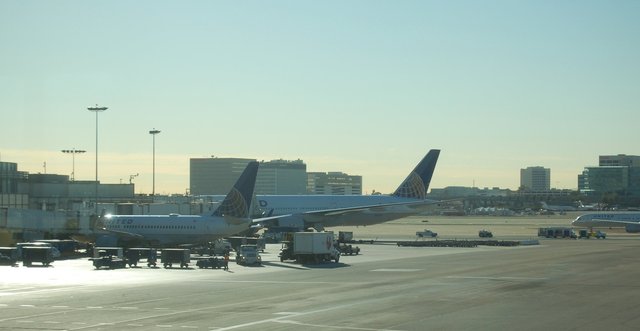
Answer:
(238, 201)
(417, 183)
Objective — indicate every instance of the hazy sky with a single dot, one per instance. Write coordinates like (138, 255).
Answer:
(363, 87)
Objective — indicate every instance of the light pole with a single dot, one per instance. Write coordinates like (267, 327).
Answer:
(154, 132)
(73, 153)
(97, 110)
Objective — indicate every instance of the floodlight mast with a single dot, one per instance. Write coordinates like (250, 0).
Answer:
(154, 132)
(73, 153)
(97, 110)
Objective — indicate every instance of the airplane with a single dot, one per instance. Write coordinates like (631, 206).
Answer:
(231, 217)
(545, 206)
(560, 208)
(320, 211)
(629, 220)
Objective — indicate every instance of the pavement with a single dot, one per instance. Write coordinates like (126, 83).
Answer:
(560, 284)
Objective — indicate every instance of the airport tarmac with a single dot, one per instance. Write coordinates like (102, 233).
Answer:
(559, 284)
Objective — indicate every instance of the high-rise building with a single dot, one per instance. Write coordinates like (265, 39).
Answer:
(616, 173)
(281, 177)
(214, 176)
(535, 179)
(619, 160)
(334, 183)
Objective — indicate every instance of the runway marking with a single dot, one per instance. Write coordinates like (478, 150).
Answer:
(340, 327)
(29, 306)
(497, 278)
(281, 319)
(396, 270)
(164, 325)
(94, 307)
(59, 306)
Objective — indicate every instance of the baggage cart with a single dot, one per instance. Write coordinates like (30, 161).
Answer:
(170, 256)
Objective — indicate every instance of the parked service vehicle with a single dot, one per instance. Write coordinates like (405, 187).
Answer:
(485, 234)
(426, 234)
(134, 255)
(583, 233)
(310, 247)
(109, 257)
(210, 262)
(248, 255)
(557, 232)
(8, 256)
(169, 256)
(345, 236)
(40, 254)
(54, 251)
(348, 249)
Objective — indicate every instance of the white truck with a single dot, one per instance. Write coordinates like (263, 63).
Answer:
(248, 255)
(310, 247)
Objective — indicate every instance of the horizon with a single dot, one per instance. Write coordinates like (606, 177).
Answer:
(365, 88)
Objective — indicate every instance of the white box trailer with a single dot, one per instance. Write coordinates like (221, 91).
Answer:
(312, 247)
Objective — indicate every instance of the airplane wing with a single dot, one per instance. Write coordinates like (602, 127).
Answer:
(332, 216)
(123, 234)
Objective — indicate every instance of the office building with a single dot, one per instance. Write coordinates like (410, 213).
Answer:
(334, 183)
(535, 179)
(214, 176)
(282, 177)
(616, 174)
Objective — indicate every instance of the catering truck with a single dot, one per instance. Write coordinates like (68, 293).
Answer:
(310, 247)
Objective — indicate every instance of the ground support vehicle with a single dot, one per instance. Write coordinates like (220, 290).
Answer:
(345, 237)
(8, 256)
(426, 234)
(485, 234)
(557, 232)
(212, 262)
(346, 249)
(109, 261)
(248, 255)
(583, 233)
(40, 254)
(310, 247)
(109, 257)
(236, 242)
(134, 255)
(170, 256)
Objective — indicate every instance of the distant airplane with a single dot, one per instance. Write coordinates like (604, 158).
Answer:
(231, 217)
(580, 206)
(320, 211)
(547, 207)
(630, 221)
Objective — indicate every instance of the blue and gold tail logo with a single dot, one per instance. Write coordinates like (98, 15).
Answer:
(412, 187)
(233, 205)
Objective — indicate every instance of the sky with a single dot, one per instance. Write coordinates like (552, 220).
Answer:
(362, 87)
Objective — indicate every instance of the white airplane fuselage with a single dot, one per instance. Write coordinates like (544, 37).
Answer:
(173, 229)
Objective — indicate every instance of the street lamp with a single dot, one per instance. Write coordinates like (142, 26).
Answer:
(154, 132)
(73, 153)
(97, 110)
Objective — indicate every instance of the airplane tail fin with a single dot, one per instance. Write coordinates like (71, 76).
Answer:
(417, 183)
(238, 202)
